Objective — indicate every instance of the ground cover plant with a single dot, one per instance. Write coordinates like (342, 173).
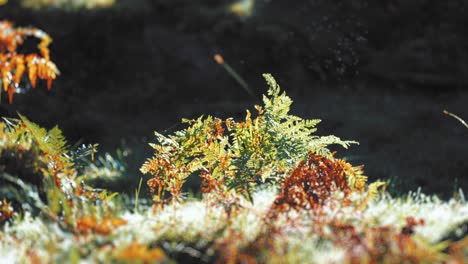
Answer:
(271, 191)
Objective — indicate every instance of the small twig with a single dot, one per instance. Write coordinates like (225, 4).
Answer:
(137, 195)
(220, 60)
(456, 117)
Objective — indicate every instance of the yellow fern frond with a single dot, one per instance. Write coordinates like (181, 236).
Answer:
(375, 188)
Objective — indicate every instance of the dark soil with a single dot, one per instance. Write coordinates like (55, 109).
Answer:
(379, 73)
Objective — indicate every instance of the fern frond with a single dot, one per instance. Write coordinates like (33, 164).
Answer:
(51, 142)
(274, 88)
(13, 64)
(375, 188)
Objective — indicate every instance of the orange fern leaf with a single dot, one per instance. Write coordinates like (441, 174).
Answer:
(13, 65)
(137, 252)
(89, 224)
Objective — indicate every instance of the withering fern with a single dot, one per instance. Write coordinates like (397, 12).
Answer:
(14, 64)
(238, 156)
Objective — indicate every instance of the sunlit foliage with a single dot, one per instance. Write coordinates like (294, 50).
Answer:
(242, 8)
(13, 65)
(239, 156)
(67, 4)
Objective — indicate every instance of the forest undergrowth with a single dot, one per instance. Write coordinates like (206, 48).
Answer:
(271, 191)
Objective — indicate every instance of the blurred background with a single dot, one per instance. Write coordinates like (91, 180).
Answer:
(378, 72)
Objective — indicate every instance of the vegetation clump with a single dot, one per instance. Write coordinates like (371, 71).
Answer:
(230, 155)
(39, 174)
(314, 180)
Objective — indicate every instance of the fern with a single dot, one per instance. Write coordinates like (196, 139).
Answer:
(52, 144)
(38, 170)
(252, 152)
(13, 64)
